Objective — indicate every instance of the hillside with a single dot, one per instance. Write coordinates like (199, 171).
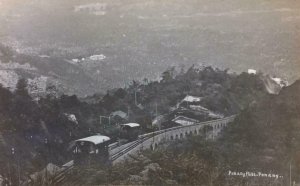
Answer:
(264, 138)
(266, 135)
(139, 38)
(42, 129)
(44, 72)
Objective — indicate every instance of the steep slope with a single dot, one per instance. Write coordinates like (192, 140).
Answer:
(43, 72)
(273, 85)
(41, 130)
(266, 136)
(141, 37)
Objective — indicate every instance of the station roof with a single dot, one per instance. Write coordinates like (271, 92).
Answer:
(184, 121)
(131, 125)
(191, 99)
(97, 139)
(119, 113)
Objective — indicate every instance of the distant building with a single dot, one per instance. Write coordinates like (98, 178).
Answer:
(280, 82)
(198, 108)
(97, 57)
(131, 125)
(184, 121)
(189, 100)
(202, 110)
(251, 71)
(119, 114)
(215, 115)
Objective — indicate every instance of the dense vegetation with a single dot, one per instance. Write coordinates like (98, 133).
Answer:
(265, 138)
(266, 135)
(35, 132)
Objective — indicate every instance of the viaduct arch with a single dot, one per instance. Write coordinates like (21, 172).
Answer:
(153, 139)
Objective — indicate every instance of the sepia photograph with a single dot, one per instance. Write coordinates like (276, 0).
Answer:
(150, 92)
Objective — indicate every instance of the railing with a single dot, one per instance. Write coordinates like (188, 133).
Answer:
(113, 145)
(124, 151)
(180, 127)
(61, 176)
(144, 137)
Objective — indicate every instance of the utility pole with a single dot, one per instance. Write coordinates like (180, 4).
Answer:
(46, 169)
(290, 173)
(17, 160)
(135, 98)
(13, 154)
(19, 171)
(9, 173)
(128, 112)
(108, 117)
(156, 109)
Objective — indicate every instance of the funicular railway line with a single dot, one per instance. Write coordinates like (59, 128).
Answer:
(151, 141)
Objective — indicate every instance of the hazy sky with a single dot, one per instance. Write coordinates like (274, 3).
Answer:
(154, 34)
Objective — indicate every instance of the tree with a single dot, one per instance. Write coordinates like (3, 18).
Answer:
(120, 93)
(52, 91)
(6, 53)
(168, 75)
(69, 101)
(5, 99)
(146, 81)
(21, 88)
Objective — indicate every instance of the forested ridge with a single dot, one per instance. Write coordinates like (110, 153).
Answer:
(264, 138)
(39, 131)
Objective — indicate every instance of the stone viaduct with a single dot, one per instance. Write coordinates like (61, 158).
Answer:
(153, 139)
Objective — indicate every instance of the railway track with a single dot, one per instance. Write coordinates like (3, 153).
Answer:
(61, 177)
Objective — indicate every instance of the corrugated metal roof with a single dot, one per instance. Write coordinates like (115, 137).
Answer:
(97, 139)
(131, 125)
(119, 113)
(182, 120)
(192, 99)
